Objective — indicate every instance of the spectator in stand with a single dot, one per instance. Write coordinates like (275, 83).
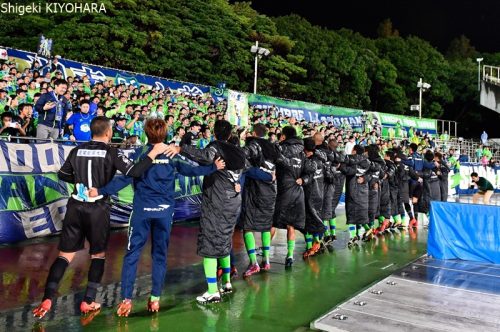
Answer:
(25, 119)
(486, 156)
(10, 127)
(120, 133)
(484, 138)
(179, 134)
(55, 65)
(136, 126)
(171, 131)
(79, 123)
(206, 139)
(191, 137)
(350, 145)
(52, 108)
(5, 100)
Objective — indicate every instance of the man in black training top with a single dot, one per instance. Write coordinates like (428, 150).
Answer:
(485, 187)
(92, 164)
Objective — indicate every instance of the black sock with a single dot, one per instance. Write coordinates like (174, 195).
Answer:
(55, 275)
(96, 271)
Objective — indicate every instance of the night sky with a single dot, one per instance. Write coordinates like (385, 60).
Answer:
(437, 21)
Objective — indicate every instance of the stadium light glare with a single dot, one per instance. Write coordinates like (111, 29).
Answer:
(259, 53)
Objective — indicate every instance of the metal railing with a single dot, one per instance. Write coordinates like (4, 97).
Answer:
(37, 140)
(491, 74)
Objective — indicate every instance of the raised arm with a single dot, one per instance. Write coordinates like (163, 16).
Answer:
(185, 168)
(201, 156)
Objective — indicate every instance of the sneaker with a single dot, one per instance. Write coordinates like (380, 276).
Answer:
(413, 223)
(288, 262)
(334, 237)
(252, 269)
(353, 241)
(85, 308)
(226, 289)
(88, 318)
(153, 306)
(208, 298)
(306, 254)
(367, 236)
(265, 266)
(42, 309)
(312, 251)
(327, 239)
(124, 308)
(234, 272)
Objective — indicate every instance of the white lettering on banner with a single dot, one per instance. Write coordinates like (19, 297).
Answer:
(37, 222)
(95, 75)
(41, 150)
(159, 86)
(91, 153)
(193, 91)
(26, 152)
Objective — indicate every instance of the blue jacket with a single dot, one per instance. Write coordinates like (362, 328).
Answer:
(55, 116)
(155, 189)
(417, 162)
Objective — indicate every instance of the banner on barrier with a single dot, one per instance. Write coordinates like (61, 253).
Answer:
(237, 108)
(99, 74)
(399, 125)
(340, 116)
(33, 199)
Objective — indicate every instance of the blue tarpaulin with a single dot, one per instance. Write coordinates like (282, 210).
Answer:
(464, 231)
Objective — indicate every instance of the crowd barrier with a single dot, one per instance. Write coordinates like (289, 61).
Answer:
(33, 199)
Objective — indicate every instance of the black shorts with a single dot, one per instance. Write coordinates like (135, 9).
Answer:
(85, 221)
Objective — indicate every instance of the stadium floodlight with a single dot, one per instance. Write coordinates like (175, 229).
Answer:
(259, 53)
(479, 73)
(422, 87)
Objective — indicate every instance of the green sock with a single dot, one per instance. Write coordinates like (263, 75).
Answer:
(225, 264)
(316, 238)
(266, 245)
(366, 227)
(333, 226)
(327, 228)
(397, 219)
(352, 231)
(309, 240)
(154, 298)
(380, 220)
(210, 267)
(291, 248)
(250, 245)
(404, 220)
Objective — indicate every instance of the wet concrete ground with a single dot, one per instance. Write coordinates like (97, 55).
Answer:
(278, 300)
